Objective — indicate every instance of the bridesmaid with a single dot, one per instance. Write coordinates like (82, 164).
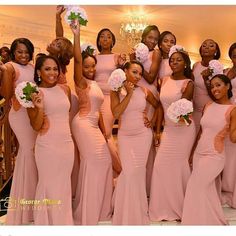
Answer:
(25, 172)
(94, 190)
(171, 169)
(54, 148)
(209, 50)
(149, 81)
(209, 157)
(107, 61)
(229, 172)
(130, 200)
(165, 42)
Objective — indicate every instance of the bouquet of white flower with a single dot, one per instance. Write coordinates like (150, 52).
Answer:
(116, 79)
(176, 48)
(87, 47)
(23, 93)
(182, 108)
(141, 52)
(215, 68)
(74, 13)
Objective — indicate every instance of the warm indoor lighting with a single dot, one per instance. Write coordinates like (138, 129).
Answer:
(132, 28)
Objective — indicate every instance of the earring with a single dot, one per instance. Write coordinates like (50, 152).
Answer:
(215, 54)
(39, 78)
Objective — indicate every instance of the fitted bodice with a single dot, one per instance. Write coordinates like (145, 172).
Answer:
(164, 69)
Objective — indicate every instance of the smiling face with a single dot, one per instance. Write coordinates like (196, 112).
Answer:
(134, 73)
(21, 54)
(49, 73)
(89, 68)
(177, 63)
(219, 89)
(151, 39)
(208, 48)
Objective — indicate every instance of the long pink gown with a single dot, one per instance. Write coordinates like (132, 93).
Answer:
(25, 173)
(229, 172)
(171, 169)
(200, 95)
(94, 190)
(54, 154)
(150, 111)
(202, 204)
(134, 142)
(106, 64)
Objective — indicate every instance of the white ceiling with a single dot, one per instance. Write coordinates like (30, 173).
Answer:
(190, 24)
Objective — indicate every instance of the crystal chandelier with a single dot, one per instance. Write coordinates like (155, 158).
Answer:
(132, 28)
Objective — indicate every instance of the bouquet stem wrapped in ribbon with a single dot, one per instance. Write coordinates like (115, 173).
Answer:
(23, 93)
(182, 109)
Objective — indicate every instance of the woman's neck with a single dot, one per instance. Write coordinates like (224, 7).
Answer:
(105, 51)
(178, 76)
(224, 101)
(205, 61)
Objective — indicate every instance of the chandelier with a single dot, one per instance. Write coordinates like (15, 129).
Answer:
(132, 28)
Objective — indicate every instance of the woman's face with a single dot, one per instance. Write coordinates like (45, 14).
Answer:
(105, 40)
(167, 42)
(21, 54)
(151, 39)
(218, 88)
(233, 57)
(5, 56)
(134, 73)
(89, 68)
(208, 48)
(177, 62)
(49, 73)
(55, 46)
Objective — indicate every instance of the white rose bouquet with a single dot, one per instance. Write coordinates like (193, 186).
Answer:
(74, 13)
(215, 68)
(87, 47)
(141, 52)
(116, 79)
(23, 93)
(176, 48)
(182, 108)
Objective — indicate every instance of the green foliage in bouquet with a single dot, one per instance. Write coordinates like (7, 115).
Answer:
(28, 90)
(74, 16)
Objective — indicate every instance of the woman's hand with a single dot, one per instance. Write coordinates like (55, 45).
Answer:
(132, 55)
(129, 87)
(205, 74)
(75, 27)
(37, 99)
(121, 59)
(157, 139)
(60, 9)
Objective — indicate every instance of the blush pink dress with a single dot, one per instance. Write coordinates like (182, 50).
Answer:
(106, 64)
(229, 172)
(134, 142)
(94, 190)
(164, 69)
(25, 173)
(202, 204)
(54, 153)
(150, 111)
(200, 95)
(171, 169)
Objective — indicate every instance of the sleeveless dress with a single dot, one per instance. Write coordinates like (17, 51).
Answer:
(202, 204)
(165, 69)
(200, 95)
(229, 172)
(54, 154)
(150, 111)
(94, 190)
(171, 169)
(25, 173)
(134, 142)
(106, 64)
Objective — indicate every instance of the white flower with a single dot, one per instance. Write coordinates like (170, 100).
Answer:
(181, 108)
(23, 92)
(116, 79)
(215, 67)
(141, 52)
(90, 48)
(175, 48)
(76, 12)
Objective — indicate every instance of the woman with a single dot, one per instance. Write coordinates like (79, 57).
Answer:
(94, 191)
(209, 50)
(149, 81)
(165, 42)
(202, 205)
(54, 148)
(130, 200)
(25, 173)
(229, 172)
(171, 169)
